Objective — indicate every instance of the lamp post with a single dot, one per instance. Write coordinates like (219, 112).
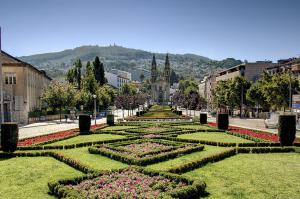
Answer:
(95, 111)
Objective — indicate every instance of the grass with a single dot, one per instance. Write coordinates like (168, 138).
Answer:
(208, 150)
(214, 136)
(196, 127)
(94, 161)
(160, 108)
(265, 176)
(160, 114)
(86, 138)
(117, 128)
(28, 177)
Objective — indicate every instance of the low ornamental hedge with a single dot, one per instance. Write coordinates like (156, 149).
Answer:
(203, 161)
(117, 155)
(78, 145)
(228, 153)
(193, 189)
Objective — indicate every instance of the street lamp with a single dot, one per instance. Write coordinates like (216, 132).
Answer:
(95, 111)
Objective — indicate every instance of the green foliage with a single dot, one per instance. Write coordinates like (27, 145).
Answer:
(84, 124)
(58, 95)
(128, 89)
(9, 136)
(99, 71)
(230, 92)
(78, 66)
(287, 129)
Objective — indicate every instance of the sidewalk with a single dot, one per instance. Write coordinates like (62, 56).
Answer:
(49, 127)
(254, 124)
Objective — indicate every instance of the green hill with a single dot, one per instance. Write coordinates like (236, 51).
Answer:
(135, 61)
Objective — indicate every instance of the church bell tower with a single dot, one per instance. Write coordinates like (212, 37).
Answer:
(167, 69)
(153, 70)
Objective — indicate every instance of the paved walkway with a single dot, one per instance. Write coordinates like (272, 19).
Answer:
(49, 127)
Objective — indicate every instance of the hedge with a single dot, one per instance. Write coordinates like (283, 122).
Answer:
(193, 189)
(117, 155)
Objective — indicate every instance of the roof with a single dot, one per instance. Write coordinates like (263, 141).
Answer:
(9, 59)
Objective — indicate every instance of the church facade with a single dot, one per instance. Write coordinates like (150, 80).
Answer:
(160, 82)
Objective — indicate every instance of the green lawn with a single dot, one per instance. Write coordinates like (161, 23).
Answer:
(94, 161)
(214, 136)
(160, 108)
(208, 150)
(24, 177)
(160, 114)
(265, 176)
(117, 128)
(196, 127)
(87, 138)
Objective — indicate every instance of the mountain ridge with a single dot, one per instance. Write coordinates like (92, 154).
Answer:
(136, 61)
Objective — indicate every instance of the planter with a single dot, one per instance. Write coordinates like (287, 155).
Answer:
(287, 129)
(84, 124)
(223, 121)
(110, 120)
(9, 136)
(203, 118)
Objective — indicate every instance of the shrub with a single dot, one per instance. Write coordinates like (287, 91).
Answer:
(223, 121)
(110, 120)
(84, 124)
(203, 118)
(287, 129)
(9, 136)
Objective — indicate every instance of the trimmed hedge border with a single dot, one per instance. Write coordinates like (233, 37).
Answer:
(78, 145)
(147, 160)
(228, 153)
(227, 144)
(60, 157)
(193, 189)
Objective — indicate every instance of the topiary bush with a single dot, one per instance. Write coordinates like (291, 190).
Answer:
(223, 121)
(84, 124)
(9, 136)
(287, 129)
(110, 120)
(203, 118)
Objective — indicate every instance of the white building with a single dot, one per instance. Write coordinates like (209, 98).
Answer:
(117, 78)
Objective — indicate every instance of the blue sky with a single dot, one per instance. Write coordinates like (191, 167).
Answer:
(243, 29)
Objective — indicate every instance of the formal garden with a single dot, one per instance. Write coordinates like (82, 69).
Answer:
(162, 159)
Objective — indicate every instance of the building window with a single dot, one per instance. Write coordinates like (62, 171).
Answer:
(10, 78)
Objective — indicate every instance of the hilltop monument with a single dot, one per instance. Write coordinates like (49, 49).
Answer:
(160, 82)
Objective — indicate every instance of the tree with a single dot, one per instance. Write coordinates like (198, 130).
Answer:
(142, 77)
(99, 71)
(71, 76)
(174, 78)
(128, 89)
(78, 66)
(59, 96)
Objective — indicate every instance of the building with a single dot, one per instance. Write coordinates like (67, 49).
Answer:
(160, 82)
(23, 85)
(291, 64)
(206, 87)
(117, 78)
(251, 71)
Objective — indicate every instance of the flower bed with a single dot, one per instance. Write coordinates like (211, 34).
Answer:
(128, 183)
(145, 151)
(54, 136)
(256, 134)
